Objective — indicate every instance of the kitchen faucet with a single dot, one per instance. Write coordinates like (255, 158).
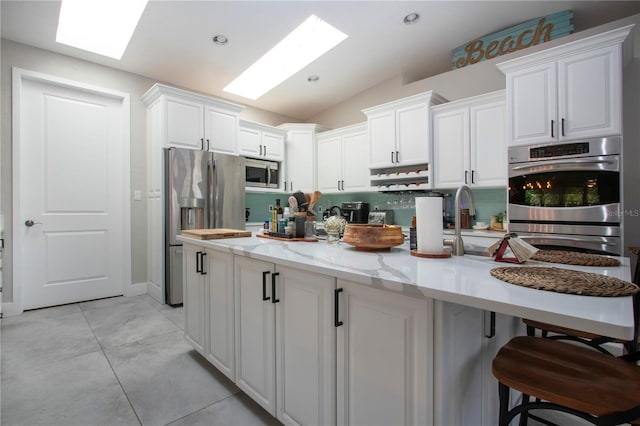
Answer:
(456, 243)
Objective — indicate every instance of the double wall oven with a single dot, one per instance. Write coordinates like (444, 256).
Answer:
(567, 195)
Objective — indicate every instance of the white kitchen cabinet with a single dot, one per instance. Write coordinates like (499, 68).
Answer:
(285, 353)
(220, 350)
(193, 121)
(195, 282)
(469, 142)
(399, 131)
(465, 344)
(261, 141)
(301, 165)
(342, 160)
(384, 357)
(568, 92)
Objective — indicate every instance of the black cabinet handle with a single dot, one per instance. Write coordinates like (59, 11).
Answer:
(202, 271)
(202, 144)
(260, 149)
(397, 156)
(552, 128)
(198, 264)
(208, 145)
(489, 324)
(473, 176)
(273, 287)
(338, 185)
(466, 177)
(285, 186)
(265, 150)
(264, 285)
(562, 126)
(336, 293)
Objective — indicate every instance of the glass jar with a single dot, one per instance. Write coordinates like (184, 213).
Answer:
(333, 237)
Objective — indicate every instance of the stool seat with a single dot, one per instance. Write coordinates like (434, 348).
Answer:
(568, 375)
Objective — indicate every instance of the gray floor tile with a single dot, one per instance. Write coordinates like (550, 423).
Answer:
(165, 379)
(44, 336)
(122, 323)
(237, 410)
(76, 391)
(173, 313)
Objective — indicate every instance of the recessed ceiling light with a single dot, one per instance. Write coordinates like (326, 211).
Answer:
(411, 18)
(313, 38)
(103, 26)
(220, 39)
(313, 79)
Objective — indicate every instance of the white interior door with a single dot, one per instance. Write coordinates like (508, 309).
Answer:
(70, 196)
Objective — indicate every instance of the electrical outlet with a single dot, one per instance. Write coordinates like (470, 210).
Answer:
(376, 207)
(320, 209)
(270, 207)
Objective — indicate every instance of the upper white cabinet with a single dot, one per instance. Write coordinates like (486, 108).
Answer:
(190, 120)
(342, 160)
(469, 142)
(301, 165)
(567, 92)
(261, 141)
(399, 131)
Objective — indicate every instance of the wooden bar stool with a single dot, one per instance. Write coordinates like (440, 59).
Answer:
(599, 388)
(593, 340)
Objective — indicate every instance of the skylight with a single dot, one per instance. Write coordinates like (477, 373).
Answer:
(99, 26)
(313, 38)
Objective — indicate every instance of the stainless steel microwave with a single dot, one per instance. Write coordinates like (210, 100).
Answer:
(262, 173)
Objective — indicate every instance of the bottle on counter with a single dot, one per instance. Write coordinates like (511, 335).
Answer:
(279, 209)
(413, 235)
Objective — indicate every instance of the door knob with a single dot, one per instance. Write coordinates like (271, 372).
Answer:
(30, 223)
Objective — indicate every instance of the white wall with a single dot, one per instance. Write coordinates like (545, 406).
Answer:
(34, 59)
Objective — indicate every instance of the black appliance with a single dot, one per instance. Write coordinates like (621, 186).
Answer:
(355, 212)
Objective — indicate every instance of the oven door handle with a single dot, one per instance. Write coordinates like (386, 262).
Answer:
(561, 238)
(563, 162)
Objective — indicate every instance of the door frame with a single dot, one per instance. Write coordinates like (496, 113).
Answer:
(19, 76)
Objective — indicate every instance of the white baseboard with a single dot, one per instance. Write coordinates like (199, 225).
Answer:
(155, 292)
(10, 309)
(135, 289)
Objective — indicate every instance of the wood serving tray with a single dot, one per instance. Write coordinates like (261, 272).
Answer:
(216, 233)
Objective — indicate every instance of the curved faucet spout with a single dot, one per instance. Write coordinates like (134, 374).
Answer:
(457, 245)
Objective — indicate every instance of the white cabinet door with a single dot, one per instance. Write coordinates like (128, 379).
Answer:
(221, 130)
(273, 145)
(220, 324)
(590, 94)
(458, 343)
(488, 147)
(301, 157)
(382, 137)
(383, 358)
(531, 105)
(255, 331)
(450, 148)
(355, 163)
(184, 123)
(305, 347)
(329, 164)
(412, 143)
(194, 287)
(249, 142)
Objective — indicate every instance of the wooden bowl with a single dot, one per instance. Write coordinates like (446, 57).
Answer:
(368, 237)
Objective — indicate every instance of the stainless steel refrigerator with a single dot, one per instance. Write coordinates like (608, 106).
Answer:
(202, 190)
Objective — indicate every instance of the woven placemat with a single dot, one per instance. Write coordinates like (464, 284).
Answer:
(565, 281)
(574, 258)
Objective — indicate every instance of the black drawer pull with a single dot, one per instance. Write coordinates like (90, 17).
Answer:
(202, 271)
(264, 285)
(198, 265)
(273, 287)
(336, 321)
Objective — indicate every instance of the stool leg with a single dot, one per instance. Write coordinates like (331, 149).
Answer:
(503, 395)
(524, 415)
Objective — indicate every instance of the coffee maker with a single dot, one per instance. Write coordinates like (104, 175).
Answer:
(355, 211)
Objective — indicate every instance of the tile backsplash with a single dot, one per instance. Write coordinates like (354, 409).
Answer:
(489, 201)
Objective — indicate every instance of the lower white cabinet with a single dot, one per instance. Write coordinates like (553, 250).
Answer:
(208, 305)
(285, 341)
(466, 340)
(383, 357)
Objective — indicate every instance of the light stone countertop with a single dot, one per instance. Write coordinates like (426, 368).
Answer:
(464, 280)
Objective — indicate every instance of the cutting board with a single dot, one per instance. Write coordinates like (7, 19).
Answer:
(212, 234)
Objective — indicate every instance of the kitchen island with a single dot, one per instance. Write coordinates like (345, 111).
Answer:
(322, 333)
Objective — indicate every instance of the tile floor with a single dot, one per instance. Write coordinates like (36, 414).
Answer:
(117, 361)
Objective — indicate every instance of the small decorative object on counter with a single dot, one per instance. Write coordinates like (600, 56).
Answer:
(309, 230)
(334, 226)
(512, 249)
(300, 220)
